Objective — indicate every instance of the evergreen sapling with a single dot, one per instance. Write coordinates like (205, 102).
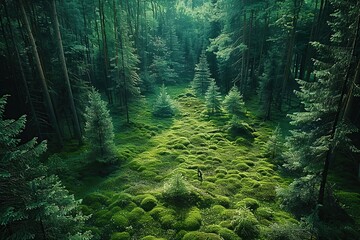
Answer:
(99, 130)
(213, 98)
(164, 106)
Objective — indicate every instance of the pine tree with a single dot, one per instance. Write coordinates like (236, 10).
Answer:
(164, 106)
(161, 69)
(319, 127)
(213, 98)
(202, 77)
(269, 84)
(234, 103)
(33, 205)
(99, 130)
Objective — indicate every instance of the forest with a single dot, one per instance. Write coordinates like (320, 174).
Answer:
(180, 119)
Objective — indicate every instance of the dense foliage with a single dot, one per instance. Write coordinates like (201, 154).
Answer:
(255, 136)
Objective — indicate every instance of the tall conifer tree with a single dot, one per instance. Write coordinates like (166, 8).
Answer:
(202, 77)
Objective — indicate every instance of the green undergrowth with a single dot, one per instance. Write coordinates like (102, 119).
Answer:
(153, 191)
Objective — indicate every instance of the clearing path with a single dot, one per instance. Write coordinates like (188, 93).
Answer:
(132, 201)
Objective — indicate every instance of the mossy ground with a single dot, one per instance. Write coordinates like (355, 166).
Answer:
(126, 200)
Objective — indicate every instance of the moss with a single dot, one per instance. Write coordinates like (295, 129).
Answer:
(218, 209)
(120, 220)
(223, 201)
(181, 158)
(250, 163)
(265, 213)
(249, 203)
(121, 200)
(242, 166)
(201, 236)
(136, 214)
(245, 225)
(265, 171)
(152, 238)
(221, 170)
(96, 197)
(148, 203)
(102, 217)
(232, 185)
(220, 175)
(192, 220)
(149, 174)
(165, 216)
(120, 236)
(225, 233)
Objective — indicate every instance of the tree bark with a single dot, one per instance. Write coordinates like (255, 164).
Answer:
(39, 67)
(65, 72)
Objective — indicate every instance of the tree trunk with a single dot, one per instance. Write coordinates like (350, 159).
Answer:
(65, 72)
(105, 50)
(23, 77)
(124, 78)
(48, 101)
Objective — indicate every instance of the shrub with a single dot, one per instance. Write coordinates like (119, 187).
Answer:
(176, 190)
(164, 106)
(288, 231)
(246, 225)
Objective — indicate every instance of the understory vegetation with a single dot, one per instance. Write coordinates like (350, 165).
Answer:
(153, 191)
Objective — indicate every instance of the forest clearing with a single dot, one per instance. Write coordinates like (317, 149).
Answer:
(180, 119)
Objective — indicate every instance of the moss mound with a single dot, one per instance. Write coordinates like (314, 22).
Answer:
(245, 225)
(148, 203)
(192, 220)
(249, 203)
(201, 236)
(225, 233)
(120, 236)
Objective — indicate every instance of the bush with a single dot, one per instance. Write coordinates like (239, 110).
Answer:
(176, 191)
(289, 231)
(246, 225)
(164, 106)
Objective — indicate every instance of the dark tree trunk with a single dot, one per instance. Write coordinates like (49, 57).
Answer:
(75, 118)
(48, 101)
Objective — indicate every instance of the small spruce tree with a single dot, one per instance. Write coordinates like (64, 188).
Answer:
(164, 106)
(234, 103)
(213, 98)
(33, 205)
(99, 130)
(202, 77)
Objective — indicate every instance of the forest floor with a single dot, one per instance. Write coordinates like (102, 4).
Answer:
(131, 199)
